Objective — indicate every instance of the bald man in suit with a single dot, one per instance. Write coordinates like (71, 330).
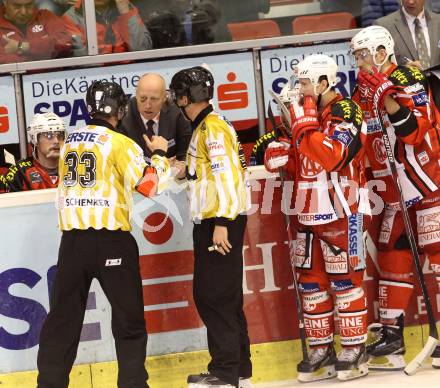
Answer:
(150, 112)
(401, 26)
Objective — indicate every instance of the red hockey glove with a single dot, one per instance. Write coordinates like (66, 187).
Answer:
(375, 87)
(304, 117)
(276, 155)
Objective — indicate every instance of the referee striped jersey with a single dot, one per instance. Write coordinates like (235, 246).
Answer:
(216, 169)
(99, 169)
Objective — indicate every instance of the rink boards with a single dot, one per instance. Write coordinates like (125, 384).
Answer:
(177, 338)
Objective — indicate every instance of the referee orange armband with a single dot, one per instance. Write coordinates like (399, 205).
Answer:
(147, 185)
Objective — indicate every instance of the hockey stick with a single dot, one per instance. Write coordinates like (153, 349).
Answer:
(416, 363)
(299, 309)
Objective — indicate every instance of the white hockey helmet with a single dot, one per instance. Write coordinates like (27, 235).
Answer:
(371, 38)
(44, 122)
(315, 66)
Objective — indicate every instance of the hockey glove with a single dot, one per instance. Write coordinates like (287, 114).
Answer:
(276, 155)
(304, 117)
(375, 87)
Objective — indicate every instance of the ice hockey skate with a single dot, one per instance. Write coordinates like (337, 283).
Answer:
(321, 365)
(436, 358)
(352, 363)
(387, 346)
(204, 380)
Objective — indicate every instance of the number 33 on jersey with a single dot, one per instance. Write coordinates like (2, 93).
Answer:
(99, 168)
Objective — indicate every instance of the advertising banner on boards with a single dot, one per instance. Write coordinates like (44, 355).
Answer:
(8, 112)
(277, 66)
(163, 232)
(64, 92)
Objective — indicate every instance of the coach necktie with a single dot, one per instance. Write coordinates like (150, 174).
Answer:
(422, 48)
(150, 130)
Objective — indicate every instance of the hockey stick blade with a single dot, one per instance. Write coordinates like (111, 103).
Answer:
(417, 362)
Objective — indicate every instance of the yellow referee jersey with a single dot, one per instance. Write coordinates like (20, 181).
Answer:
(99, 169)
(218, 181)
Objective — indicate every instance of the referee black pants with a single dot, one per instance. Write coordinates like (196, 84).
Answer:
(112, 257)
(218, 294)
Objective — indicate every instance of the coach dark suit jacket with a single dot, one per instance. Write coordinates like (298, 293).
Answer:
(404, 46)
(172, 126)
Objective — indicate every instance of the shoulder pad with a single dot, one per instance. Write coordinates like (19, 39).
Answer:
(406, 76)
(347, 110)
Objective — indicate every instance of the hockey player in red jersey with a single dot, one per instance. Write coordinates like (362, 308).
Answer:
(401, 97)
(325, 158)
(46, 133)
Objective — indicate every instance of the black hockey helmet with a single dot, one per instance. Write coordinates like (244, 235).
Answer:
(197, 83)
(106, 98)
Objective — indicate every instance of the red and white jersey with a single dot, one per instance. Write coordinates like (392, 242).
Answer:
(28, 174)
(414, 138)
(329, 166)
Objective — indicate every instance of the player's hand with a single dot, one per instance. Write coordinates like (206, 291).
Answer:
(11, 45)
(304, 116)
(276, 154)
(177, 167)
(156, 143)
(220, 239)
(375, 86)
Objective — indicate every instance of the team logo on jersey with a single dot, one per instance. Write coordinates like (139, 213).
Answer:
(37, 28)
(341, 285)
(113, 262)
(309, 168)
(215, 149)
(413, 88)
(423, 158)
(335, 259)
(344, 137)
(35, 177)
(217, 167)
(387, 226)
(308, 287)
(102, 139)
(373, 125)
(379, 150)
(420, 99)
(303, 259)
(428, 226)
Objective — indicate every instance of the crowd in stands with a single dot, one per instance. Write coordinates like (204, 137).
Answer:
(47, 29)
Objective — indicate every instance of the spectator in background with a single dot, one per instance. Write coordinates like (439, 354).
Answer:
(416, 34)
(46, 133)
(28, 33)
(352, 6)
(150, 113)
(165, 29)
(182, 22)
(375, 9)
(118, 25)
